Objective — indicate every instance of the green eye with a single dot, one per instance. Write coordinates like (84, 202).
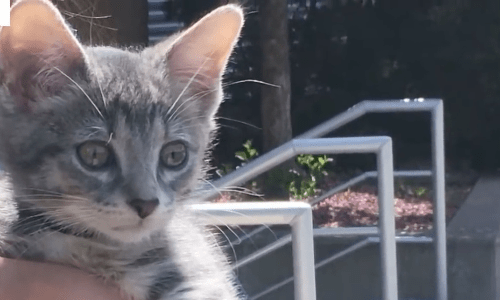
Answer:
(93, 154)
(173, 154)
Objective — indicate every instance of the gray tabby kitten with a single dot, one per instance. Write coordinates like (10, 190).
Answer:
(103, 147)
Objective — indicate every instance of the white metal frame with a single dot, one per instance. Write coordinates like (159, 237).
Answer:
(382, 147)
(434, 106)
(296, 214)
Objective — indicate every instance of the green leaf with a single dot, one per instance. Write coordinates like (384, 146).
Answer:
(241, 156)
(420, 191)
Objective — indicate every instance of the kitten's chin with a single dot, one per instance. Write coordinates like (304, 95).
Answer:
(131, 233)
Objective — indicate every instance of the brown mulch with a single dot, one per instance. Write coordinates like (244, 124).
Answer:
(358, 206)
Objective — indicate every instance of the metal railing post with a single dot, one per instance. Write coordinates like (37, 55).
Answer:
(303, 257)
(439, 201)
(387, 223)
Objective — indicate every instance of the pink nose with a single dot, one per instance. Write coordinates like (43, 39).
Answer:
(144, 208)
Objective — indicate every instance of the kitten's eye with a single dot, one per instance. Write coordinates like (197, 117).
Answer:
(173, 154)
(93, 154)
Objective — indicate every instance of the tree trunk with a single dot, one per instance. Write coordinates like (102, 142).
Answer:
(275, 105)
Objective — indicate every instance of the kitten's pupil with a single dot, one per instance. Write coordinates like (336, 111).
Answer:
(94, 154)
(173, 154)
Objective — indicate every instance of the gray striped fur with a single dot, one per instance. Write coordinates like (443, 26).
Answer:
(54, 209)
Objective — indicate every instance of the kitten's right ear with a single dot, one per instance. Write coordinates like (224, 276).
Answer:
(38, 52)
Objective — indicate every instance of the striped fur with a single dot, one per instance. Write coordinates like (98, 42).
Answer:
(56, 95)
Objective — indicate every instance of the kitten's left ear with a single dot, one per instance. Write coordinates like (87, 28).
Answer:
(206, 46)
(38, 52)
(199, 55)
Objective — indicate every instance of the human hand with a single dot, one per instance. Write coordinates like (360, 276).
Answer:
(25, 280)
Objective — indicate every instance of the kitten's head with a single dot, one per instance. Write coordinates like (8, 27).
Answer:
(102, 138)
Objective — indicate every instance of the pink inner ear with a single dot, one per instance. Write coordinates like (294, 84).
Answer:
(35, 49)
(200, 69)
(205, 47)
(36, 26)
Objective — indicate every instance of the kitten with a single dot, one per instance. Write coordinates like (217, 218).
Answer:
(103, 148)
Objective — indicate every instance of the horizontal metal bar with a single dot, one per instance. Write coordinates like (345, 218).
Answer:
(369, 106)
(290, 150)
(408, 239)
(251, 213)
(345, 185)
(338, 255)
(404, 105)
(339, 145)
(404, 173)
(345, 231)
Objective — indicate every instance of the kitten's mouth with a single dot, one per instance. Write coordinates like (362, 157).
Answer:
(139, 225)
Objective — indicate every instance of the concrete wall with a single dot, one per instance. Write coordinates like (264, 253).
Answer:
(474, 260)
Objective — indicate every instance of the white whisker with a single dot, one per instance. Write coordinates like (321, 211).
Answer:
(242, 122)
(254, 81)
(81, 89)
(187, 85)
(225, 235)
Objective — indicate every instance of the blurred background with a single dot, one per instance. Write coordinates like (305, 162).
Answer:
(340, 53)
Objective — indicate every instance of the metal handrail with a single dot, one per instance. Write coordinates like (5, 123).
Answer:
(435, 106)
(296, 214)
(266, 161)
(382, 147)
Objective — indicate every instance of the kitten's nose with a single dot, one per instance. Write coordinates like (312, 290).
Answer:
(144, 207)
